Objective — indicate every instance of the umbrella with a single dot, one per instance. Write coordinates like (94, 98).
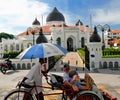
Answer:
(42, 50)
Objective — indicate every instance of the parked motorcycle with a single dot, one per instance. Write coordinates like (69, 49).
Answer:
(6, 65)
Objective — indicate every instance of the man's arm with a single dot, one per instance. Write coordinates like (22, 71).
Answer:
(24, 79)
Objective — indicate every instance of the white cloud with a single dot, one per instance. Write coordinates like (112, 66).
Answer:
(16, 15)
(109, 14)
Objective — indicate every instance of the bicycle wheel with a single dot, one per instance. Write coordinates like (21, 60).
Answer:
(18, 95)
(87, 95)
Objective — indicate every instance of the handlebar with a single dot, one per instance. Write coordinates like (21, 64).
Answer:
(20, 84)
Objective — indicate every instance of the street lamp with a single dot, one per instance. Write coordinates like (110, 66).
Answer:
(33, 33)
(103, 28)
(32, 30)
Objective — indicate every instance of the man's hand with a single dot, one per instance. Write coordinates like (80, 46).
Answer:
(44, 72)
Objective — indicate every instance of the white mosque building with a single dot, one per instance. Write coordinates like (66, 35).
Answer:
(57, 31)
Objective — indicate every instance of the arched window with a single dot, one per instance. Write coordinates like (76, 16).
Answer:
(110, 65)
(58, 41)
(100, 64)
(17, 47)
(70, 44)
(6, 48)
(23, 66)
(92, 65)
(104, 64)
(18, 66)
(116, 65)
(82, 42)
(11, 47)
(22, 48)
(28, 66)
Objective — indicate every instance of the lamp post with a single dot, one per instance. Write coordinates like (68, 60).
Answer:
(33, 33)
(103, 28)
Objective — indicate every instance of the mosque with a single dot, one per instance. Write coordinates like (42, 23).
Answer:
(70, 37)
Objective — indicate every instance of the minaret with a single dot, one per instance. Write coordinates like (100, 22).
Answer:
(95, 47)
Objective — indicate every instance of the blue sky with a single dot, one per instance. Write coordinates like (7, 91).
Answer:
(17, 15)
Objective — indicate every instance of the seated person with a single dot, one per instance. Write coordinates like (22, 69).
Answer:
(75, 79)
(66, 70)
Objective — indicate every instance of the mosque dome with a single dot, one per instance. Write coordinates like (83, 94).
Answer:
(41, 38)
(36, 22)
(95, 36)
(55, 15)
(79, 23)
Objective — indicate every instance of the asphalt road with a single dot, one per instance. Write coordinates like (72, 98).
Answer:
(110, 80)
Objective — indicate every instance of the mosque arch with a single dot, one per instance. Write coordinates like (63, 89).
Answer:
(17, 47)
(71, 43)
(28, 66)
(29, 44)
(22, 47)
(116, 64)
(110, 64)
(23, 66)
(82, 42)
(100, 64)
(93, 64)
(58, 40)
(11, 47)
(6, 48)
(18, 66)
(33, 64)
(105, 64)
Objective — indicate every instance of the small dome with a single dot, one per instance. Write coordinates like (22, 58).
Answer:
(79, 23)
(41, 38)
(55, 15)
(95, 36)
(36, 22)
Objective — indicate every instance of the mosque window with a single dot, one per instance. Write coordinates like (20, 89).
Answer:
(92, 55)
(93, 65)
(6, 47)
(11, 48)
(17, 47)
(58, 41)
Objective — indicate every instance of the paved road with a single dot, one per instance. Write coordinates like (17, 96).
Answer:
(110, 80)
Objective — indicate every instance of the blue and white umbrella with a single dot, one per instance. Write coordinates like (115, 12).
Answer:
(42, 50)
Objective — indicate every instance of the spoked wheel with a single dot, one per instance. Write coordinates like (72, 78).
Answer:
(3, 70)
(87, 95)
(19, 95)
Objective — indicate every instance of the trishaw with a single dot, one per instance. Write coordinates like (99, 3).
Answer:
(68, 91)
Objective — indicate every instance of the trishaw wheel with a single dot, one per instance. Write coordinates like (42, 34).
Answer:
(3, 70)
(87, 95)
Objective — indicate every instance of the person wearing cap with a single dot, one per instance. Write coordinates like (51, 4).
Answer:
(66, 70)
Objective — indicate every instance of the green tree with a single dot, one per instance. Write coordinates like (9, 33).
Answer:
(6, 36)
